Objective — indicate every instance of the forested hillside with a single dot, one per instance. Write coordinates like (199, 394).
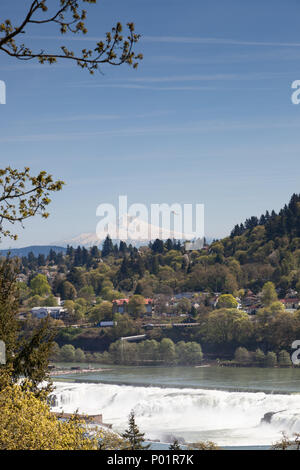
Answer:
(260, 250)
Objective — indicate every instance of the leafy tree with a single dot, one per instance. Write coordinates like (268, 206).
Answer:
(23, 195)
(269, 294)
(35, 301)
(133, 435)
(136, 306)
(184, 306)
(40, 286)
(167, 351)
(77, 277)
(188, 353)
(67, 15)
(227, 301)
(55, 352)
(26, 423)
(227, 326)
(276, 327)
(109, 294)
(111, 441)
(101, 312)
(125, 326)
(68, 291)
(123, 352)
(23, 291)
(87, 293)
(8, 307)
(69, 306)
(50, 301)
(148, 350)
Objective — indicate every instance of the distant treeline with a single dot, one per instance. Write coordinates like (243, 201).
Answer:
(286, 222)
(145, 352)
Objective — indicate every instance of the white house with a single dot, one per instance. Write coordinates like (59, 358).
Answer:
(43, 312)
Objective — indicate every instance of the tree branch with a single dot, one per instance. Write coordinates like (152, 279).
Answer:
(115, 50)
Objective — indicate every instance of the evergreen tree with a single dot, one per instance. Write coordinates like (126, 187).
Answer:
(169, 244)
(133, 435)
(41, 260)
(175, 445)
(139, 266)
(139, 289)
(235, 231)
(154, 265)
(193, 312)
(60, 258)
(32, 262)
(108, 247)
(94, 252)
(124, 271)
(78, 257)
(52, 256)
(122, 247)
(158, 246)
(85, 256)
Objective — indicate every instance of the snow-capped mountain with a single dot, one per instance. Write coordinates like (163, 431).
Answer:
(130, 229)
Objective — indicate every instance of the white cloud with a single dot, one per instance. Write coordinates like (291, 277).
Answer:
(217, 41)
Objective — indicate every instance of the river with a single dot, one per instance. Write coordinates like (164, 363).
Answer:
(225, 405)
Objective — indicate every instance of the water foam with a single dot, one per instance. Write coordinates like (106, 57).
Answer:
(228, 418)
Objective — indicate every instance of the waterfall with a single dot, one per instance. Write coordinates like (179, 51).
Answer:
(228, 418)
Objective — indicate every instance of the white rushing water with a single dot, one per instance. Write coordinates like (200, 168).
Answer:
(227, 418)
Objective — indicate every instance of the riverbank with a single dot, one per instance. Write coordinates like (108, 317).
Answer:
(75, 370)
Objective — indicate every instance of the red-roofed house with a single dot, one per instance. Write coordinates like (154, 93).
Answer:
(121, 305)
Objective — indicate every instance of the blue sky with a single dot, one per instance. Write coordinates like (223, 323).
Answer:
(206, 118)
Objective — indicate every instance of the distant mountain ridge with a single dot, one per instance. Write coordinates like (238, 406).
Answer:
(35, 249)
(131, 229)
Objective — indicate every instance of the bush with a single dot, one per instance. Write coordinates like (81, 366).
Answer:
(79, 355)
(284, 358)
(271, 359)
(259, 356)
(188, 353)
(242, 355)
(67, 353)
